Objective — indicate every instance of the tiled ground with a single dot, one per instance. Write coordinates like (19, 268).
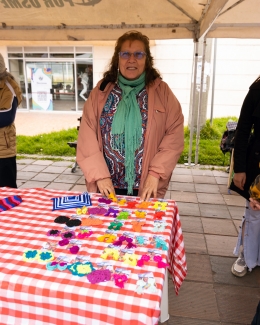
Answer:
(210, 219)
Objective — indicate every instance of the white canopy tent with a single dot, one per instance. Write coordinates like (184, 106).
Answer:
(82, 21)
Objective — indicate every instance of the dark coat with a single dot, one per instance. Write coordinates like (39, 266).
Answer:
(247, 146)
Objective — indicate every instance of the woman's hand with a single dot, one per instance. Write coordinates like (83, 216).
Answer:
(255, 205)
(105, 186)
(239, 180)
(150, 188)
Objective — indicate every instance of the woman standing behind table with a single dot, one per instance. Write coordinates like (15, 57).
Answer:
(10, 98)
(131, 132)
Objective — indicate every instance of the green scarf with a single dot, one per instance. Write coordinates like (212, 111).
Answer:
(127, 125)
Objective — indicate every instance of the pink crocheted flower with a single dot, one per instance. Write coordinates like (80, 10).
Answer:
(120, 280)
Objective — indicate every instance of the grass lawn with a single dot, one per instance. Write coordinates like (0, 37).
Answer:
(55, 143)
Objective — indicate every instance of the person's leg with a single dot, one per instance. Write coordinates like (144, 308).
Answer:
(250, 255)
(256, 319)
(239, 267)
(8, 172)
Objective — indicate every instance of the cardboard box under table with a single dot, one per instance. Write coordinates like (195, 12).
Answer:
(31, 294)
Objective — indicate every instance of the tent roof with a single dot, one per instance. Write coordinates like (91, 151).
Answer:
(86, 20)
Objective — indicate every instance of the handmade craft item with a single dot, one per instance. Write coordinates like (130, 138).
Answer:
(69, 202)
(98, 276)
(10, 202)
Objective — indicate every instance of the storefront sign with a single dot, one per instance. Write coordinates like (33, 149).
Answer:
(45, 3)
(41, 81)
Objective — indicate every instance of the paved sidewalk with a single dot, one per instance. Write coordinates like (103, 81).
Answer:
(210, 218)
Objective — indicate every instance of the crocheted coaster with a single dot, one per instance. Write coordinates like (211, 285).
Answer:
(30, 255)
(68, 202)
(10, 202)
(81, 269)
(98, 276)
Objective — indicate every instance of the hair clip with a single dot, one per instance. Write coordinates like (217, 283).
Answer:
(68, 235)
(110, 252)
(82, 210)
(137, 226)
(120, 279)
(84, 234)
(45, 256)
(74, 249)
(130, 259)
(97, 211)
(158, 227)
(140, 214)
(98, 276)
(143, 205)
(115, 225)
(112, 211)
(104, 200)
(122, 202)
(120, 240)
(64, 242)
(123, 215)
(61, 219)
(108, 238)
(73, 223)
(160, 205)
(160, 243)
(131, 204)
(56, 265)
(81, 269)
(158, 215)
(140, 240)
(30, 255)
(144, 258)
(53, 232)
(160, 264)
(112, 197)
(91, 222)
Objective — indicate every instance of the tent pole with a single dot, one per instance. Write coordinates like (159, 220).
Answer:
(196, 46)
(213, 81)
(200, 102)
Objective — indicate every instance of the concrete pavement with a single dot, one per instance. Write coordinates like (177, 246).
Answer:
(210, 218)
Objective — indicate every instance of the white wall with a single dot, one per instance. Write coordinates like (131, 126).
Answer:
(173, 58)
(237, 66)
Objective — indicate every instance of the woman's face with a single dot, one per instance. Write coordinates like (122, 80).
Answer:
(132, 68)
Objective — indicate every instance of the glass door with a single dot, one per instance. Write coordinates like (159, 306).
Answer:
(51, 85)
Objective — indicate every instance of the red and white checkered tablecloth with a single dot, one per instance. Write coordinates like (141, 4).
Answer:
(32, 295)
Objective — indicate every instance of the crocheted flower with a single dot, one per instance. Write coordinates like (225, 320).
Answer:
(81, 269)
(45, 256)
(98, 276)
(120, 280)
(68, 235)
(53, 232)
(30, 255)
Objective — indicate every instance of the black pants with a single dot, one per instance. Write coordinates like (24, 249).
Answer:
(256, 320)
(8, 172)
(120, 191)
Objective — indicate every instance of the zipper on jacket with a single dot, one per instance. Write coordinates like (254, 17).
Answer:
(6, 140)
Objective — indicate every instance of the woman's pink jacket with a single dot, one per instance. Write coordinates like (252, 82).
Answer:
(164, 138)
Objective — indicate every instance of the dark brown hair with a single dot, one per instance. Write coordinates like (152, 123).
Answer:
(150, 72)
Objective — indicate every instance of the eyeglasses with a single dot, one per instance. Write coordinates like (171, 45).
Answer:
(137, 55)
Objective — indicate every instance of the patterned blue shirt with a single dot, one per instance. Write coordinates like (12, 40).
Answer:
(116, 160)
